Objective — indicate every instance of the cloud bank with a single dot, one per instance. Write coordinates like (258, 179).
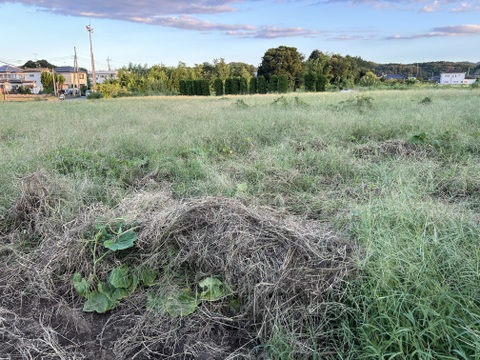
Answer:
(426, 6)
(446, 31)
(178, 14)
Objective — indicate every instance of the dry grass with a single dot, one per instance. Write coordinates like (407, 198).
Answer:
(280, 267)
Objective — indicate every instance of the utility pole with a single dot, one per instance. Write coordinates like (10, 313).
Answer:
(108, 63)
(75, 71)
(94, 77)
(54, 83)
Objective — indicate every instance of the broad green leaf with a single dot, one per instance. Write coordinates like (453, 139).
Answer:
(214, 289)
(123, 241)
(181, 304)
(120, 294)
(107, 289)
(147, 276)
(98, 302)
(80, 284)
(133, 286)
(120, 277)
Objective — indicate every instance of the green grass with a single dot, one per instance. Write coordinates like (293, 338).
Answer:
(415, 215)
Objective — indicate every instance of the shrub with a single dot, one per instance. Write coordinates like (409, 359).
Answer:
(228, 86)
(243, 86)
(235, 86)
(273, 84)
(205, 86)
(283, 84)
(262, 84)
(183, 87)
(218, 87)
(95, 95)
(252, 86)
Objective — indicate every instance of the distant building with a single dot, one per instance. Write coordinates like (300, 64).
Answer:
(455, 79)
(102, 75)
(11, 78)
(73, 79)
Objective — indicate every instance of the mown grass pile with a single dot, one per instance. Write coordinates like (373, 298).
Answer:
(342, 225)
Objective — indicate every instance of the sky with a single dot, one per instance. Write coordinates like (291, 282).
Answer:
(165, 32)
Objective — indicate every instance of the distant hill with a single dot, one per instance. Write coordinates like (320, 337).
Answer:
(425, 70)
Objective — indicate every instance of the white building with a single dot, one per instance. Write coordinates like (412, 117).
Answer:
(102, 75)
(455, 79)
(11, 78)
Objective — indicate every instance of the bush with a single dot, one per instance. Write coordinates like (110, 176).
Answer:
(218, 87)
(243, 86)
(228, 86)
(262, 84)
(235, 86)
(95, 95)
(183, 87)
(205, 87)
(252, 86)
(273, 84)
(24, 90)
(283, 84)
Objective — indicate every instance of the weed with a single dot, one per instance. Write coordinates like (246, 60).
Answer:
(241, 104)
(426, 100)
(281, 101)
(122, 281)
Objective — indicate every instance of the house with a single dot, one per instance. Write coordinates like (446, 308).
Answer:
(35, 75)
(11, 78)
(73, 79)
(102, 75)
(455, 79)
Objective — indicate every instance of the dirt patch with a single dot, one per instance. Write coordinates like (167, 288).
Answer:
(283, 271)
(390, 148)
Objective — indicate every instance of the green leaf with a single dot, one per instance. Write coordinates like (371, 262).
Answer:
(214, 289)
(120, 277)
(133, 286)
(80, 284)
(181, 304)
(123, 241)
(98, 302)
(107, 289)
(147, 276)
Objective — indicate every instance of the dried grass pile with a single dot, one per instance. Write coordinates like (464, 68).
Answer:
(284, 273)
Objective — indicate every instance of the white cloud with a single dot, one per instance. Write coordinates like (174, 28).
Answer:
(445, 31)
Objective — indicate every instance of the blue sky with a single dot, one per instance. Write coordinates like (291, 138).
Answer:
(167, 32)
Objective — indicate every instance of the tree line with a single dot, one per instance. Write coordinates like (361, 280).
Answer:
(282, 69)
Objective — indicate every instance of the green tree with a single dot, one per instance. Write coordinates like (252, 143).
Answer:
(369, 79)
(273, 84)
(218, 86)
(252, 86)
(46, 78)
(310, 80)
(283, 84)
(320, 82)
(222, 68)
(243, 86)
(282, 60)
(262, 84)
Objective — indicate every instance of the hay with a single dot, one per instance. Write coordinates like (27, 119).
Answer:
(284, 271)
(391, 148)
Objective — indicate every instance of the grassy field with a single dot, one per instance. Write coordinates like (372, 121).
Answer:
(340, 225)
